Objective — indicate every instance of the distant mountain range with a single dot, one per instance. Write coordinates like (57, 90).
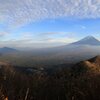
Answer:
(7, 50)
(89, 40)
(82, 49)
(72, 53)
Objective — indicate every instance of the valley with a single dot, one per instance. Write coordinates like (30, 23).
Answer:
(69, 72)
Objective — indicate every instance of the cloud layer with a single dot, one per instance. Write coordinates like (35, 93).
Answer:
(20, 12)
(27, 40)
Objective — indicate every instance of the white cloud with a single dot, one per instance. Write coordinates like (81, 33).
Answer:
(17, 13)
(28, 41)
(3, 34)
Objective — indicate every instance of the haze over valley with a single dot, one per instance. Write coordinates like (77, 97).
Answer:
(70, 53)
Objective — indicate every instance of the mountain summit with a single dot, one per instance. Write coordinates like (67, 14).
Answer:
(89, 40)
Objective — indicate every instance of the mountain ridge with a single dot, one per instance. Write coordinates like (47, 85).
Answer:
(7, 50)
(89, 66)
(89, 40)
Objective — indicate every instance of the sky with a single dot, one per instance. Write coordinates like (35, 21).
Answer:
(47, 23)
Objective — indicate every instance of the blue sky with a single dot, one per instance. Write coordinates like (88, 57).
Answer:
(47, 23)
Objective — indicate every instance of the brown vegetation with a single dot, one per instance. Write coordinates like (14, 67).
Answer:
(75, 83)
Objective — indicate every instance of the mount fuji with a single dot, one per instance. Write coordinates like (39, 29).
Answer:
(89, 40)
